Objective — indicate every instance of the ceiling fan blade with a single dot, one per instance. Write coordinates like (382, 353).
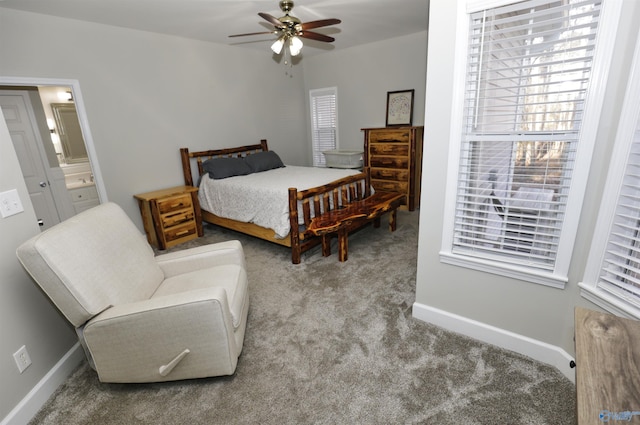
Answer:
(315, 36)
(253, 33)
(320, 23)
(272, 20)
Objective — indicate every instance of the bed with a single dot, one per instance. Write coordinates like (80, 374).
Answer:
(318, 190)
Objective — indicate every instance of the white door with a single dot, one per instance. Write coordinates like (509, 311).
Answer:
(15, 106)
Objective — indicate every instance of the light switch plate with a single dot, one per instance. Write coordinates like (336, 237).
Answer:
(10, 203)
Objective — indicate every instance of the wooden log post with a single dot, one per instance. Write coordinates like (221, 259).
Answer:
(294, 234)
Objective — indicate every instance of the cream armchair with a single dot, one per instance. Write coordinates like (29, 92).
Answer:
(140, 317)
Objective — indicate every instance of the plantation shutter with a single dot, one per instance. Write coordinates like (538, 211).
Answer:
(324, 121)
(529, 66)
(620, 274)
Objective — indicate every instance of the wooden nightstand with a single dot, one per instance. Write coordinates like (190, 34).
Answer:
(170, 216)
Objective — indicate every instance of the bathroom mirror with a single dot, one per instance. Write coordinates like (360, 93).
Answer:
(69, 131)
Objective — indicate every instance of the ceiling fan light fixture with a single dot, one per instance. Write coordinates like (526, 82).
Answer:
(276, 47)
(295, 46)
(290, 30)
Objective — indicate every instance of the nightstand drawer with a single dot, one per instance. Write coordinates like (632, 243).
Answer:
(390, 136)
(174, 203)
(389, 162)
(390, 174)
(177, 217)
(178, 232)
(394, 149)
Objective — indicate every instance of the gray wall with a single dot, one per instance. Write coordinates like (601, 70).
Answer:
(146, 95)
(363, 76)
(531, 310)
(26, 316)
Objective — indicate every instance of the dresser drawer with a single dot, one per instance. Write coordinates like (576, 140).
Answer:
(390, 174)
(390, 136)
(390, 186)
(178, 217)
(174, 203)
(179, 232)
(395, 149)
(393, 156)
(389, 162)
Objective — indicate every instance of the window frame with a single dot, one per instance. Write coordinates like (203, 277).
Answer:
(628, 126)
(317, 159)
(558, 276)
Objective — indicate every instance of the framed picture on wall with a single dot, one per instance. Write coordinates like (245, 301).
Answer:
(399, 108)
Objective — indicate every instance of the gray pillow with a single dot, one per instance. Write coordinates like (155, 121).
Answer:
(263, 161)
(221, 168)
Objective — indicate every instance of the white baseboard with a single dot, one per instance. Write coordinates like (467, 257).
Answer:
(38, 396)
(537, 350)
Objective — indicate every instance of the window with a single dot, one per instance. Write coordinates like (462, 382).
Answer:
(324, 122)
(522, 158)
(612, 277)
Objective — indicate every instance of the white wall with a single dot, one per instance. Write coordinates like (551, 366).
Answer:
(533, 311)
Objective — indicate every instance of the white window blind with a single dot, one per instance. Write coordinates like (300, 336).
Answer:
(324, 122)
(527, 78)
(612, 276)
(620, 274)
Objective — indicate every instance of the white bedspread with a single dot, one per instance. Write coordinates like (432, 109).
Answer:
(262, 198)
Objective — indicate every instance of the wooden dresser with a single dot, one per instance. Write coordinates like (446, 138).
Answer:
(394, 155)
(170, 216)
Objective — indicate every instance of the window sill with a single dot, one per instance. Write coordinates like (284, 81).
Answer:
(608, 302)
(508, 270)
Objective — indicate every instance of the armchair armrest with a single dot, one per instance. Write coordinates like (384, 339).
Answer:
(202, 257)
(133, 342)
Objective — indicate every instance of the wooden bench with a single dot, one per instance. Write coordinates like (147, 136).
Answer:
(352, 216)
(608, 367)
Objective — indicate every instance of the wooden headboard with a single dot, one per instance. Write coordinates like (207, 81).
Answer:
(201, 156)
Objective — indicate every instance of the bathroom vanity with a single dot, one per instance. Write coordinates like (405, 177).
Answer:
(81, 186)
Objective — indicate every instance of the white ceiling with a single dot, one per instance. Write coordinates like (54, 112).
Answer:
(363, 21)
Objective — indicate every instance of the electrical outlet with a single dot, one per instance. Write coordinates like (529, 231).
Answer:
(22, 358)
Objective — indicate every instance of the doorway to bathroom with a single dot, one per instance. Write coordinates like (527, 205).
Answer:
(54, 146)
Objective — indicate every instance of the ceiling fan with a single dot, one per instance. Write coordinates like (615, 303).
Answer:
(290, 29)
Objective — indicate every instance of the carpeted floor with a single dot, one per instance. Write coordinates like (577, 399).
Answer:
(335, 343)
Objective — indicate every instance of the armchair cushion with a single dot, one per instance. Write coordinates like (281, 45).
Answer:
(231, 278)
(86, 265)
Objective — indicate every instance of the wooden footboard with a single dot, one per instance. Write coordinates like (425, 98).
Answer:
(318, 199)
